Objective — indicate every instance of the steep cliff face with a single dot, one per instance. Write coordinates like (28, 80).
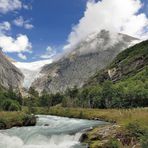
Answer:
(89, 56)
(10, 76)
(127, 64)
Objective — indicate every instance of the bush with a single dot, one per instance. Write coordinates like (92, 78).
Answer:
(81, 115)
(113, 143)
(2, 123)
(135, 129)
(10, 105)
(144, 140)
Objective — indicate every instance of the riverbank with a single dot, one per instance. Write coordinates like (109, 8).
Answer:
(121, 117)
(129, 126)
(16, 119)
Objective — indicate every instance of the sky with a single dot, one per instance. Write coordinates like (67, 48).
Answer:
(36, 30)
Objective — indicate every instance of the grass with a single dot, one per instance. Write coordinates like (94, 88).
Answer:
(120, 116)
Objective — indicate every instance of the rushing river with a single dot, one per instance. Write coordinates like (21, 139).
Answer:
(49, 132)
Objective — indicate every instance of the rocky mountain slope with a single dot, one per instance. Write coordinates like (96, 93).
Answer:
(92, 54)
(10, 76)
(131, 63)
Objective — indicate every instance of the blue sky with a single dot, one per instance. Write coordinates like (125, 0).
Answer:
(52, 20)
(47, 25)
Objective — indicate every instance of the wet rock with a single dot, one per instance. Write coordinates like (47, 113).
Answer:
(2, 125)
(83, 137)
(29, 121)
(46, 124)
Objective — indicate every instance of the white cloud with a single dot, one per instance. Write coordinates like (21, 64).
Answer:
(22, 56)
(20, 22)
(49, 49)
(50, 52)
(26, 7)
(28, 26)
(113, 15)
(20, 44)
(5, 26)
(9, 5)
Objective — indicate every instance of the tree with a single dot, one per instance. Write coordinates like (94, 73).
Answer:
(44, 99)
(33, 97)
(13, 95)
(95, 97)
(73, 92)
(33, 92)
(10, 105)
(56, 98)
(107, 94)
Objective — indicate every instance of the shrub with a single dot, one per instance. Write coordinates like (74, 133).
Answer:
(10, 105)
(113, 143)
(144, 140)
(135, 129)
(2, 123)
(81, 115)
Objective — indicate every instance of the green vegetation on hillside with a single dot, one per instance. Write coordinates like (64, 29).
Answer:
(127, 93)
(127, 63)
(139, 51)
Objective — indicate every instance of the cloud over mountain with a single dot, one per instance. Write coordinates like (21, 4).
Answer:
(50, 52)
(114, 15)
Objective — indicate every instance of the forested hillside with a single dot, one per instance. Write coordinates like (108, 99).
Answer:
(123, 84)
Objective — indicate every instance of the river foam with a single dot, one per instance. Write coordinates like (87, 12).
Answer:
(55, 141)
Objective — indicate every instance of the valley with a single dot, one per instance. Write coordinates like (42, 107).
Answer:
(116, 94)
(73, 73)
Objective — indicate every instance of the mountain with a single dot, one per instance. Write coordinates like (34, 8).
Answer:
(10, 76)
(74, 69)
(127, 64)
(122, 84)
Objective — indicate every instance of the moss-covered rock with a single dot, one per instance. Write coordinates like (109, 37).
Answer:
(16, 119)
(111, 136)
(29, 120)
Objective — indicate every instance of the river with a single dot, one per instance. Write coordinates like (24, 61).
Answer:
(49, 132)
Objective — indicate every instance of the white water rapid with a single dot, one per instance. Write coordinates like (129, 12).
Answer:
(50, 132)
